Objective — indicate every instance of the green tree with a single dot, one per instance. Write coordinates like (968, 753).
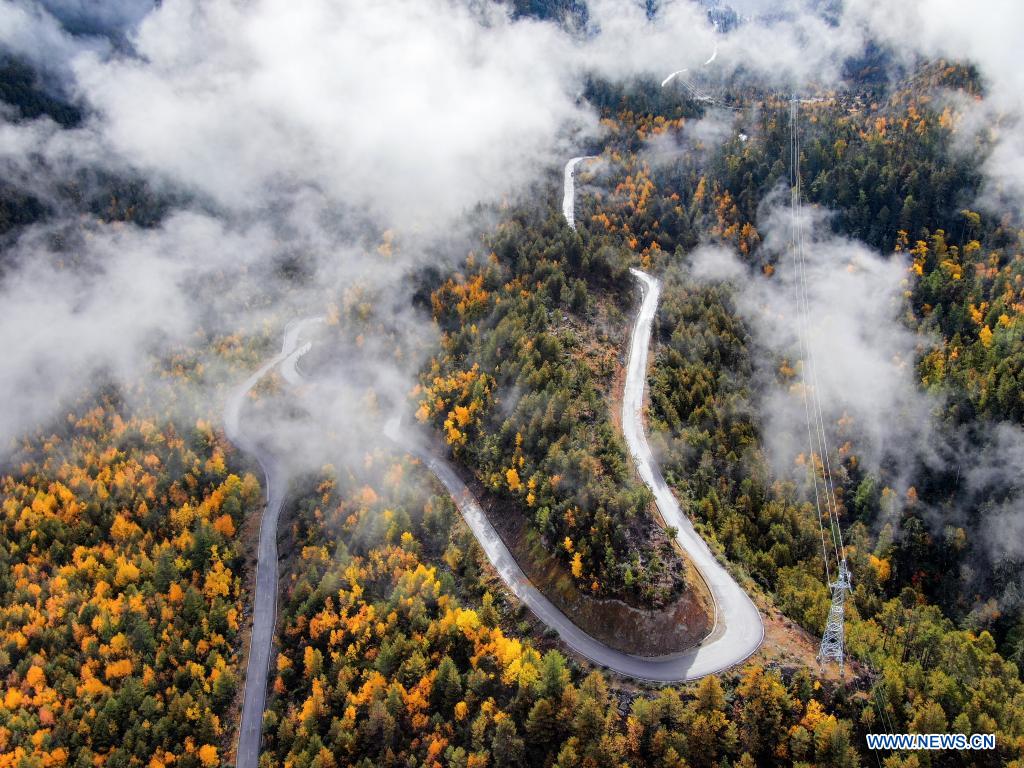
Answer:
(507, 747)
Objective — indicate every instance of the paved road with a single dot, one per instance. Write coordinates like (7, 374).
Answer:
(264, 613)
(668, 79)
(662, 669)
(738, 628)
(569, 190)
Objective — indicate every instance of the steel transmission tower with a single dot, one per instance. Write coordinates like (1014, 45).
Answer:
(832, 641)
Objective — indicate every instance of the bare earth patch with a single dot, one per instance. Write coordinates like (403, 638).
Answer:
(674, 628)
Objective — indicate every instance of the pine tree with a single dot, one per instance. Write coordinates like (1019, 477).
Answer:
(507, 747)
(447, 685)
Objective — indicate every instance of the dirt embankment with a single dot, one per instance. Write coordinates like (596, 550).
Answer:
(640, 631)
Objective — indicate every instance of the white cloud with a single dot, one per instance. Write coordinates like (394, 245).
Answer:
(413, 111)
(715, 262)
(29, 32)
(863, 354)
(292, 121)
(130, 293)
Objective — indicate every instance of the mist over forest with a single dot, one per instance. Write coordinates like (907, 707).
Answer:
(312, 385)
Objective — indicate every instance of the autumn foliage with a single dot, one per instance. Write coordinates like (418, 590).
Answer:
(120, 599)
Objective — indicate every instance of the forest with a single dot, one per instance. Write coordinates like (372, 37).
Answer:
(122, 593)
(963, 297)
(925, 659)
(397, 651)
(128, 524)
(517, 326)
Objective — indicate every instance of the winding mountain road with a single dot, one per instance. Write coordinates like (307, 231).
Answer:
(694, 92)
(737, 631)
(264, 612)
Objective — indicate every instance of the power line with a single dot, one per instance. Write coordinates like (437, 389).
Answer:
(831, 504)
(801, 317)
(833, 638)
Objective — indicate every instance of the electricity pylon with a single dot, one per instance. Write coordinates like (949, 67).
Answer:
(832, 641)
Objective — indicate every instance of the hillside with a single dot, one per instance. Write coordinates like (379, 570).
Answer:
(502, 384)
